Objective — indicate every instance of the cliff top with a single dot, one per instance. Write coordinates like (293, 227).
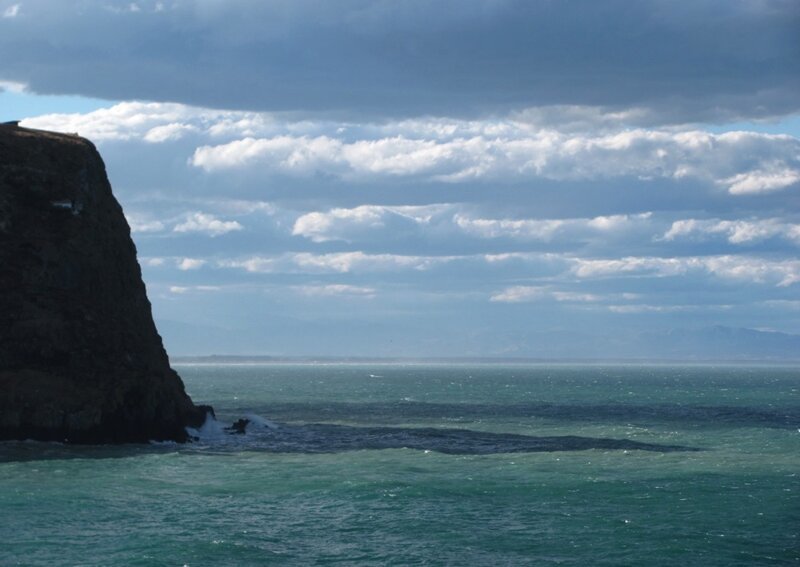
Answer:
(11, 132)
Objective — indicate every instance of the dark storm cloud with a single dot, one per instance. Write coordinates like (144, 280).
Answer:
(705, 59)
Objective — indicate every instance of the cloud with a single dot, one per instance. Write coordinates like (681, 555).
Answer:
(735, 231)
(337, 290)
(139, 223)
(446, 150)
(255, 264)
(748, 268)
(177, 289)
(392, 58)
(737, 161)
(153, 122)
(209, 224)
(526, 293)
(345, 224)
(13, 87)
(134, 8)
(336, 262)
(167, 132)
(286, 152)
(133, 120)
(470, 156)
(648, 308)
(186, 264)
(344, 262)
(153, 261)
(494, 228)
(12, 11)
(765, 180)
(545, 229)
(241, 206)
(576, 297)
(520, 293)
(783, 304)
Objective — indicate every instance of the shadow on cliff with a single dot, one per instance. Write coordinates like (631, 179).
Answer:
(317, 438)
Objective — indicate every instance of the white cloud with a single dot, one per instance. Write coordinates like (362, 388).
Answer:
(319, 226)
(648, 308)
(344, 262)
(782, 272)
(12, 11)
(549, 154)
(576, 297)
(130, 121)
(286, 153)
(242, 207)
(615, 222)
(167, 132)
(495, 228)
(337, 262)
(190, 264)
(450, 150)
(336, 290)
(747, 268)
(782, 304)
(186, 289)
(153, 261)
(203, 222)
(524, 293)
(139, 224)
(523, 256)
(348, 224)
(588, 268)
(137, 8)
(13, 87)
(520, 293)
(736, 231)
(256, 264)
(765, 180)
(344, 224)
(544, 229)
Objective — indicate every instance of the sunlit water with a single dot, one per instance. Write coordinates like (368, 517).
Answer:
(433, 465)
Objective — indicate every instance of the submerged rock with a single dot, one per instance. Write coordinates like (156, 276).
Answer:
(238, 427)
(80, 357)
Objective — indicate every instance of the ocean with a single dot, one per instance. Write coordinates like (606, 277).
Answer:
(432, 464)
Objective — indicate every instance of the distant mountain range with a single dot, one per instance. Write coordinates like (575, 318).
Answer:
(191, 343)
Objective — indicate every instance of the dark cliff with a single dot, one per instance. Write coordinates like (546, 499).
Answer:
(80, 357)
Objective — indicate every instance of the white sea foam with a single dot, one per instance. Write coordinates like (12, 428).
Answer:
(261, 421)
(211, 429)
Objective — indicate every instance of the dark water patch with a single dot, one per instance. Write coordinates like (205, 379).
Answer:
(318, 438)
(403, 411)
(328, 438)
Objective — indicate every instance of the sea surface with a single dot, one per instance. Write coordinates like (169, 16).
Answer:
(432, 464)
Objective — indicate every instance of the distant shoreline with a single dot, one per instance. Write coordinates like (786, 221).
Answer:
(250, 360)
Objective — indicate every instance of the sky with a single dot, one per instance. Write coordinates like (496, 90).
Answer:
(406, 178)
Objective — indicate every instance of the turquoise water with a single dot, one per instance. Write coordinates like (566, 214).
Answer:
(433, 465)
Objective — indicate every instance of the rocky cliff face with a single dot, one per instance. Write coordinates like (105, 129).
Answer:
(80, 357)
